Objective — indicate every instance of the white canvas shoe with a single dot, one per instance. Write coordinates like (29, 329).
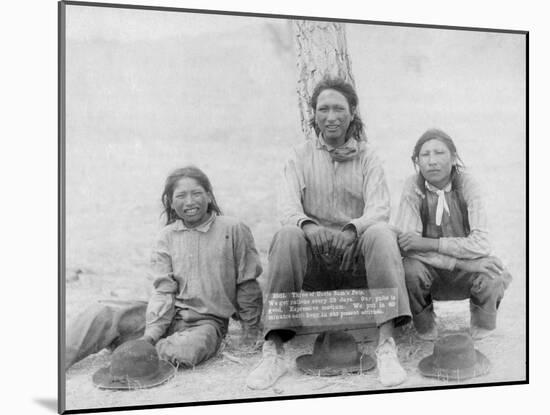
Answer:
(269, 370)
(390, 371)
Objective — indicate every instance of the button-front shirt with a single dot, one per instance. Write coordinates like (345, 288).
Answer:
(451, 245)
(202, 269)
(333, 193)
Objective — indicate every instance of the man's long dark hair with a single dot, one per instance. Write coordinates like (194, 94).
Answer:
(171, 182)
(356, 127)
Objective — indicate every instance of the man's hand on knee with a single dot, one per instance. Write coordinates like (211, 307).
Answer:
(341, 241)
(319, 237)
(491, 266)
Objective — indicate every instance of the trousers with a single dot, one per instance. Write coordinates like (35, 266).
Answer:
(190, 339)
(293, 267)
(426, 283)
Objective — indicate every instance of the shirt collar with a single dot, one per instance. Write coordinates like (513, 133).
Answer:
(434, 189)
(321, 143)
(180, 226)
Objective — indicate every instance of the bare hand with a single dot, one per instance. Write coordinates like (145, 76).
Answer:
(319, 237)
(409, 241)
(490, 266)
(342, 241)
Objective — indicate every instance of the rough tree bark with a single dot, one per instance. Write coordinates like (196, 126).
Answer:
(321, 49)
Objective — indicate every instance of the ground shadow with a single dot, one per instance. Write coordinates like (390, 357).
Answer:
(47, 403)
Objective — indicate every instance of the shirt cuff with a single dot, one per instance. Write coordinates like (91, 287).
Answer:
(304, 220)
(166, 284)
(352, 227)
(443, 247)
(361, 225)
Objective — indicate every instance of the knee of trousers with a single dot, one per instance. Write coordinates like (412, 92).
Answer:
(416, 277)
(485, 287)
(189, 348)
(289, 237)
(379, 233)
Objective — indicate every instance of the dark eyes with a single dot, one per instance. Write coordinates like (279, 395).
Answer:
(325, 109)
(182, 195)
(437, 152)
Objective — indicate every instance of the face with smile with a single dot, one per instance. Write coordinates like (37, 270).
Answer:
(435, 162)
(333, 116)
(190, 201)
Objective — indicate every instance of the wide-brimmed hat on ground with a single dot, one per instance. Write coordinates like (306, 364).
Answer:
(454, 358)
(134, 365)
(334, 353)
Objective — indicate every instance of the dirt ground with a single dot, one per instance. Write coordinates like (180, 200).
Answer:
(138, 107)
(223, 377)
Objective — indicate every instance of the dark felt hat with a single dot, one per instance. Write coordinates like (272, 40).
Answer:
(454, 358)
(134, 365)
(334, 353)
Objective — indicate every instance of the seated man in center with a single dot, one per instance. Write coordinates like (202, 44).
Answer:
(334, 204)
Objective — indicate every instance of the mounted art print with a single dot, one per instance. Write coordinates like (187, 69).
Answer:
(258, 207)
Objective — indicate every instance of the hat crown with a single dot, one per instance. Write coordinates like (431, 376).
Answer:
(333, 348)
(134, 359)
(455, 351)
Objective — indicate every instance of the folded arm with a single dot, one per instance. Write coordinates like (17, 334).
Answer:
(409, 223)
(476, 244)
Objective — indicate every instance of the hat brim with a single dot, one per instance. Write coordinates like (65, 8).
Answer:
(428, 368)
(307, 365)
(103, 379)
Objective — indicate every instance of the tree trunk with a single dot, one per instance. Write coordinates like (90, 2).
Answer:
(321, 49)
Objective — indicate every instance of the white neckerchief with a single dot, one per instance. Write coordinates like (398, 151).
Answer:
(441, 201)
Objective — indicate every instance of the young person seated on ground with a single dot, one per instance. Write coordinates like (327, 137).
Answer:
(205, 267)
(444, 239)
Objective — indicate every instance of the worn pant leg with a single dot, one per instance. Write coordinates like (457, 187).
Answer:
(288, 262)
(485, 294)
(384, 268)
(419, 278)
(189, 344)
(101, 325)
